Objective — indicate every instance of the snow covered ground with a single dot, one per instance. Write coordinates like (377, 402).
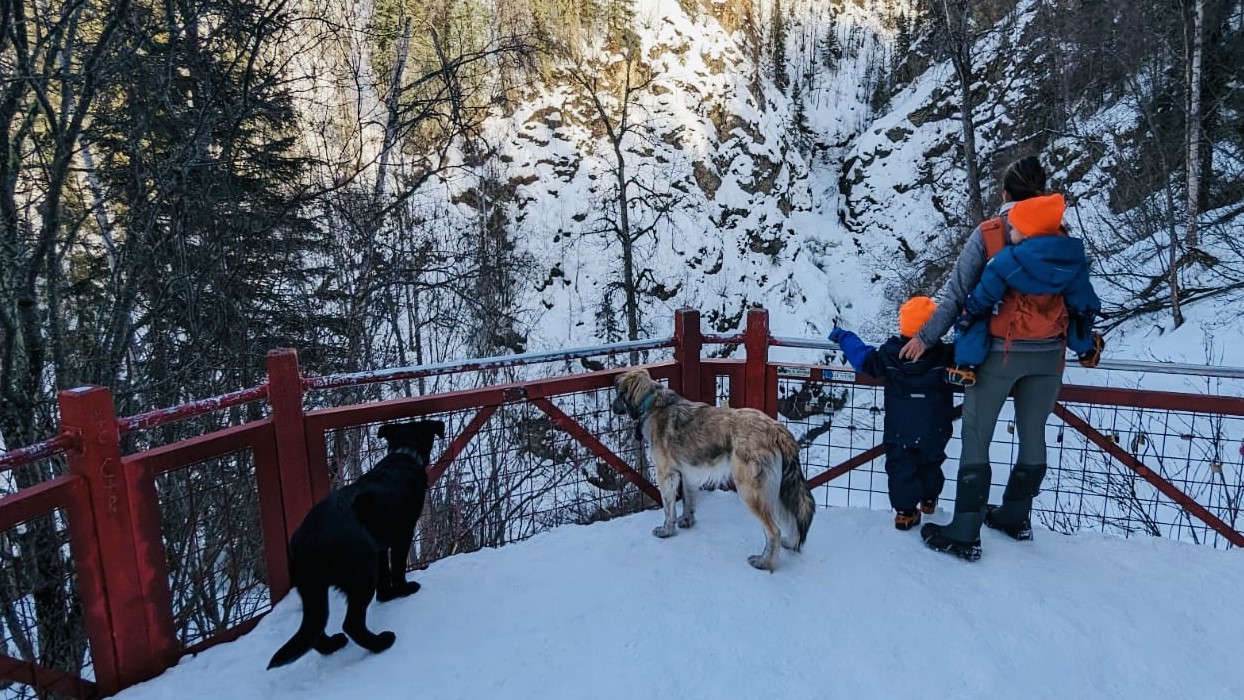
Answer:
(609, 611)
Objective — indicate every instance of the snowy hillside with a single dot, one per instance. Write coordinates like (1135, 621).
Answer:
(801, 155)
(816, 199)
(739, 214)
(608, 611)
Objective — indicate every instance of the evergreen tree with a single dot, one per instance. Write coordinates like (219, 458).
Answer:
(780, 76)
(217, 251)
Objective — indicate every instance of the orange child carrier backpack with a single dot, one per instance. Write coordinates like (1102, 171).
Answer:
(1022, 316)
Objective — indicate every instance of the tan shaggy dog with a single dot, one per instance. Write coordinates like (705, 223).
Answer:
(697, 444)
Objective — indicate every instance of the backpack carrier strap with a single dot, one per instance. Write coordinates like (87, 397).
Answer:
(993, 234)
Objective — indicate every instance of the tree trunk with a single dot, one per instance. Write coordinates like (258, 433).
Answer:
(629, 282)
(394, 105)
(1193, 167)
(959, 39)
(1177, 314)
(976, 207)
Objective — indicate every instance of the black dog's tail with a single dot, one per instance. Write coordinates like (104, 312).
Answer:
(314, 620)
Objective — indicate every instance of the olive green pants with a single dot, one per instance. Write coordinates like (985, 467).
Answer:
(1034, 378)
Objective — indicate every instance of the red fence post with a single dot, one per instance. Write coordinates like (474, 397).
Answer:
(756, 372)
(132, 615)
(688, 343)
(298, 490)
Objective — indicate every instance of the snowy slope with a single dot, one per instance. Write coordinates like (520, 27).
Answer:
(609, 611)
(756, 217)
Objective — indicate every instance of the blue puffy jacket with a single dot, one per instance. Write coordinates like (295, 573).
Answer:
(1037, 265)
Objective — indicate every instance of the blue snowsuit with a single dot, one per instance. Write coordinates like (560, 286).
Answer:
(919, 408)
(1037, 265)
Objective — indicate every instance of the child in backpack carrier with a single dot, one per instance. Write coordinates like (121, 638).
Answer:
(918, 410)
(1034, 287)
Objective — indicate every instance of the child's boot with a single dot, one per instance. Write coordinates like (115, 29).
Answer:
(906, 519)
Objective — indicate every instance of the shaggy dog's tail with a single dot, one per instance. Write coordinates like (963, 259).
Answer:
(795, 496)
(314, 620)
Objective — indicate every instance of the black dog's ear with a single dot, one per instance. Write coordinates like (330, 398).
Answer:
(438, 427)
(385, 431)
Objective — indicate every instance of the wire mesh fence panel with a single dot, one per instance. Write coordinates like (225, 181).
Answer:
(1086, 488)
(212, 534)
(41, 618)
(834, 422)
(518, 475)
(598, 491)
(1197, 453)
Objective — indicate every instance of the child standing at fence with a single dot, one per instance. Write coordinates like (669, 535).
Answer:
(918, 410)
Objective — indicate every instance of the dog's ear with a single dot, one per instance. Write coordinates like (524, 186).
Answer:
(425, 437)
(385, 432)
(626, 380)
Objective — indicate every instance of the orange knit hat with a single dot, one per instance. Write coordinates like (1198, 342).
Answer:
(913, 314)
(1038, 216)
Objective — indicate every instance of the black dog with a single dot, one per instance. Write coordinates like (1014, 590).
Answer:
(356, 540)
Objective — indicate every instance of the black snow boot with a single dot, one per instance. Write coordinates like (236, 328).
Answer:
(936, 539)
(961, 536)
(1013, 517)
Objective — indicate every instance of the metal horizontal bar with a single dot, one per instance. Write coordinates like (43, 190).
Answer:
(788, 342)
(1112, 365)
(36, 501)
(36, 452)
(332, 381)
(1170, 368)
(188, 451)
(43, 679)
(163, 416)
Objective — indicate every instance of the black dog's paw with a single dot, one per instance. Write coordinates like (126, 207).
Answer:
(384, 640)
(400, 590)
(329, 645)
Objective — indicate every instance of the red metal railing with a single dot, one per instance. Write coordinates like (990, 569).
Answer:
(166, 551)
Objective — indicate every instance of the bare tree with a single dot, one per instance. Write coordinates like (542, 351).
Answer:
(636, 209)
(1196, 50)
(960, 39)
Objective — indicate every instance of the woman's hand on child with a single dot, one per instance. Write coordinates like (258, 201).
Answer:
(912, 350)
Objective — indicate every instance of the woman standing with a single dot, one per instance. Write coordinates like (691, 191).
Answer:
(1044, 304)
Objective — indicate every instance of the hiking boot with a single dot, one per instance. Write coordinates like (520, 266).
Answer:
(937, 541)
(928, 506)
(906, 519)
(961, 375)
(1021, 532)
